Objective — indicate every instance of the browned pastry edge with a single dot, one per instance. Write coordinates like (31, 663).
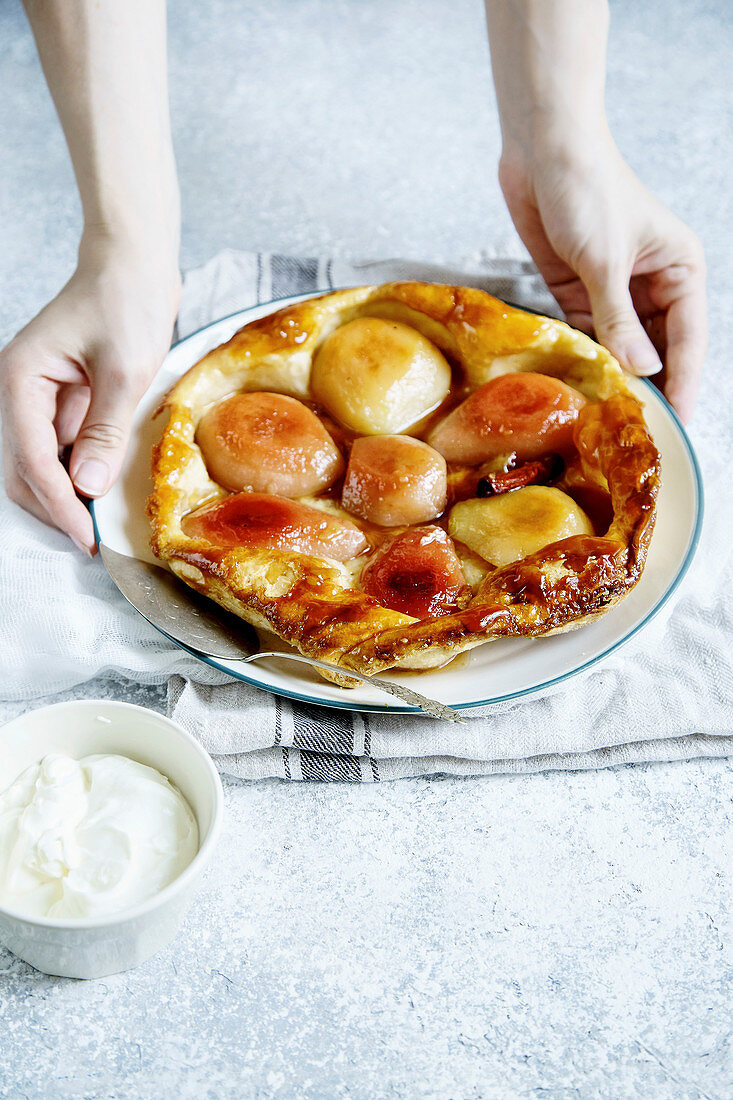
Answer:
(308, 602)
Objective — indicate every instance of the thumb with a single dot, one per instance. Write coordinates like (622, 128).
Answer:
(99, 450)
(618, 328)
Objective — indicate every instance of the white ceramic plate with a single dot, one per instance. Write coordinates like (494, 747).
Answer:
(504, 669)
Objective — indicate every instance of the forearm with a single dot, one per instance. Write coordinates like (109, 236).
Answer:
(105, 63)
(549, 61)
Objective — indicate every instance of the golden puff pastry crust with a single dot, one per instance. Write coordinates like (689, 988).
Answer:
(316, 603)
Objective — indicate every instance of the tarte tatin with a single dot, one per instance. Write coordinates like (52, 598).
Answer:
(388, 476)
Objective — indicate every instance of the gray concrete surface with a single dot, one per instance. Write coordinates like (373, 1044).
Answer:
(555, 936)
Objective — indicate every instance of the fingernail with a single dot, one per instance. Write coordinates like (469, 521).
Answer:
(80, 546)
(92, 476)
(642, 359)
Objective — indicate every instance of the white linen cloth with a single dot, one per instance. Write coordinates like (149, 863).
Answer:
(665, 696)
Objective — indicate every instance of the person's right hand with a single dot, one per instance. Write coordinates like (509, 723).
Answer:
(75, 374)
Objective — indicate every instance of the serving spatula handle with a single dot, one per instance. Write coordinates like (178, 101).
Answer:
(430, 706)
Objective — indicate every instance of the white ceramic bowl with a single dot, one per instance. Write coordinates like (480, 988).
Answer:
(94, 947)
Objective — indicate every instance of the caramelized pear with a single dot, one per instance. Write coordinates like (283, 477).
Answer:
(529, 414)
(379, 377)
(418, 573)
(503, 529)
(394, 480)
(269, 443)
(261, 521)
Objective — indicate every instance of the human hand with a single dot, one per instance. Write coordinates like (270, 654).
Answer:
(618, 262)
(75, 374)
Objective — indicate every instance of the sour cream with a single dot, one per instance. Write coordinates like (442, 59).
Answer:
(90, 837)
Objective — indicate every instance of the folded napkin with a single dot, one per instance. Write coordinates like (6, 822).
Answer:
(665, 696)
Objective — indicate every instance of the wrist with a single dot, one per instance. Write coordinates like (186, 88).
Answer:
(154, 243)
(135, 220)
(120, 253)
(155, 236)
(547, 136)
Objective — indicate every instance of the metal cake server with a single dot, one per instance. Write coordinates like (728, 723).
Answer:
(198, 624)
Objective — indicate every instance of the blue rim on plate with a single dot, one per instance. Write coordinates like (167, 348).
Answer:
(375, 708)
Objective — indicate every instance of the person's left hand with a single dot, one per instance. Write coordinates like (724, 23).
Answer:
(618, 262)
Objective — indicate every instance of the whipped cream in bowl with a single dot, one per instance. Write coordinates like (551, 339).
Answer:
(109, 813)
(89, 837)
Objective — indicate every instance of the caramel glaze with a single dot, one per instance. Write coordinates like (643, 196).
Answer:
(613, 460)
(264, 521)
(512, 585)
(315, 613)
(418, 573)
(568, 580)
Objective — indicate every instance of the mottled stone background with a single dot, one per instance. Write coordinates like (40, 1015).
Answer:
(562, 935)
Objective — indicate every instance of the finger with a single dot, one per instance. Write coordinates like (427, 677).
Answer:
(640, 287)
(37, 480)
(687, 338)
(21, 495)
(572, 297)
(17, 490)
(656, 327)
(99, 450)
(72, 405)
(617, 325)
(580, 319)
